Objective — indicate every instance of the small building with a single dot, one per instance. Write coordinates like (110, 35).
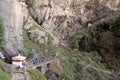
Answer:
(19, 60)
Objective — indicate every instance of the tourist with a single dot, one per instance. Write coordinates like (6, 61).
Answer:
(43, 58)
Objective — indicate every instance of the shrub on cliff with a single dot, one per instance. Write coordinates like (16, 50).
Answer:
(3, 75)
(83, 66)
(103, 37)
(36, 75)
(29, 2)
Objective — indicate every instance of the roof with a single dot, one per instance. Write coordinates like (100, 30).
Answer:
(19, 57)
(2, 56)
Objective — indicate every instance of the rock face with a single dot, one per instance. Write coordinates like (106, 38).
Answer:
(10, 11)
(65, 18)
(37, 36)
(61, 18)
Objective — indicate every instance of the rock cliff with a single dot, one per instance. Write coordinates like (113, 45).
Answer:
(63, 19)
(12, 16)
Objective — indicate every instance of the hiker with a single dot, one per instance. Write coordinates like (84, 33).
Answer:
(43, 58)
(24, 64)
(35, 60)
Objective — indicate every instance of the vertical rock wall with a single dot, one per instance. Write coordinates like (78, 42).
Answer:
(11, 13)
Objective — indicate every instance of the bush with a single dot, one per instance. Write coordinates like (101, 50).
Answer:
(84, 66)
(29, 2)
(4, 76)
(91, 36)
(50, 39)
(36, 75)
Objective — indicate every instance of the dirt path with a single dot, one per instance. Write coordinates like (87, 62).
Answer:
(19, 74)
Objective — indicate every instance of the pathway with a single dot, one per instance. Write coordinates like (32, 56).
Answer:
(19, 74)
(32, 66)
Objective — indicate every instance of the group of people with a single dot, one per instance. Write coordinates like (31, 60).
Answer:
(36, 60)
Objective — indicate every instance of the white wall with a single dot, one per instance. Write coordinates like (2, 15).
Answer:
(17, 63)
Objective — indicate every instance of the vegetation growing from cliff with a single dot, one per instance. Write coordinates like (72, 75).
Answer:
(84, 66)
(48, 35)
(103, 37)
(2, 33)
(29, 2)
(36, 75)
(28, 44)
(3, 74)
(34, 26)
(50, 39)
(39, 48)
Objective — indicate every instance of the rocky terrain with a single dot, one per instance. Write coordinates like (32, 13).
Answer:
(63, 19)
(38, 24)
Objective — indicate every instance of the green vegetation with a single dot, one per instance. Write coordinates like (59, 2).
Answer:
(29, 2)
(61, 50)
(36, 75)
(29, 44)
(3, 75)
(34, 26)
(50, 39)
(84, 66)
(48, 35)
(2, 33)
(103, 37)
(1, 64)
(89, 39)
